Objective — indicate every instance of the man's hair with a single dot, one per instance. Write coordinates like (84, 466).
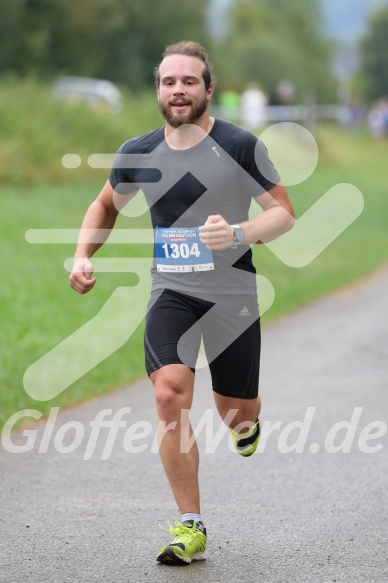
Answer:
(190, 49)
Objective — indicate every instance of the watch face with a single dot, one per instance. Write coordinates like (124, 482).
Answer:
(239, 235)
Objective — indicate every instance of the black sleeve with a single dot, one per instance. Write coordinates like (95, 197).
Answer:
(121, 177)
(257, 165)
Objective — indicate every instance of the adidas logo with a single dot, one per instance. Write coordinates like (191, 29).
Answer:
(216, 151)
(244, 312)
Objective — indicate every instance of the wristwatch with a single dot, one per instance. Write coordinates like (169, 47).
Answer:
(238, 235)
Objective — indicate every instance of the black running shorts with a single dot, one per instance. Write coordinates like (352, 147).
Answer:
(229, 326)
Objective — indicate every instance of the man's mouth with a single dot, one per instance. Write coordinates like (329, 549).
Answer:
(180, 104)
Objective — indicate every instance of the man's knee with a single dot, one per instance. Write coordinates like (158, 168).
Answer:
(173, 392)
(167, 401)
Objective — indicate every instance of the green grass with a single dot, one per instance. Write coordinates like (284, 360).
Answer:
(38, 130)
(345, 157)
(38, 309)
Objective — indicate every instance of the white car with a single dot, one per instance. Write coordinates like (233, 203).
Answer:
(97, 92)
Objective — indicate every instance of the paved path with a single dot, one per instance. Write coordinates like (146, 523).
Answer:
(278, 516)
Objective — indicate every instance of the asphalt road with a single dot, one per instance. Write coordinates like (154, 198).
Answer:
(318, 514)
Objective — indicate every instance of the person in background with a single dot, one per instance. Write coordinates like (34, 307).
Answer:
(253, 103)
(229, 100)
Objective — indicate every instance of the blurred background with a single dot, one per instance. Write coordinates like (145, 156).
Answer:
(122, 41)
(76, 78)
(327, 57)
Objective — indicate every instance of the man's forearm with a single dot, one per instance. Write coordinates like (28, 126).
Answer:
(95, 229)
(267, 226)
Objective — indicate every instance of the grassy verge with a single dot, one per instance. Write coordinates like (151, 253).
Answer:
(38, 310)
(40, 130)
(344, 157)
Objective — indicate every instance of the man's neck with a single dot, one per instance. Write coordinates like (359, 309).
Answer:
(188, 135)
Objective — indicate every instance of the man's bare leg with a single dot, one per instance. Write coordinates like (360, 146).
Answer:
(247, 410)
(173, 385)
(244, 425)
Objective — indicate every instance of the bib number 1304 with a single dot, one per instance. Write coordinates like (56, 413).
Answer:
(181, 250)
(177, 250)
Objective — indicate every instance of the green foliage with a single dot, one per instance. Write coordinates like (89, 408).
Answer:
(374, 57)
(120, 40)
(40, 130)
(271, 40)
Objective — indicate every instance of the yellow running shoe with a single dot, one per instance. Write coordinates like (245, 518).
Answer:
(246, 443)
(188, 545)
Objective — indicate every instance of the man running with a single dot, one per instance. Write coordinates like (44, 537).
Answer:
(198, 175)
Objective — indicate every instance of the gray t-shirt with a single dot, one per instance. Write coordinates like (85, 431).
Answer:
(219, 175)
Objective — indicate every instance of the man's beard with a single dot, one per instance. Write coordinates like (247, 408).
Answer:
(176, 120)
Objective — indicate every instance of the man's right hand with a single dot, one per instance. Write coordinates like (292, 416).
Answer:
(81, 279)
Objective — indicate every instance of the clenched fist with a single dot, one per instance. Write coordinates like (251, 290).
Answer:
(81, 279)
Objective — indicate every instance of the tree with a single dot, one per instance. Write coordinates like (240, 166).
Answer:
(271, 40)
(27, 28)
(121, 40)
(374, 57)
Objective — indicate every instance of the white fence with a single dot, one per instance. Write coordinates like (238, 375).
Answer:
(278, 113)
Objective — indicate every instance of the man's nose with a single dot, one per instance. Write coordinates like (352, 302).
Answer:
(179, 88)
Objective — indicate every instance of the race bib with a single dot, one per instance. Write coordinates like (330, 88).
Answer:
(180, 250)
